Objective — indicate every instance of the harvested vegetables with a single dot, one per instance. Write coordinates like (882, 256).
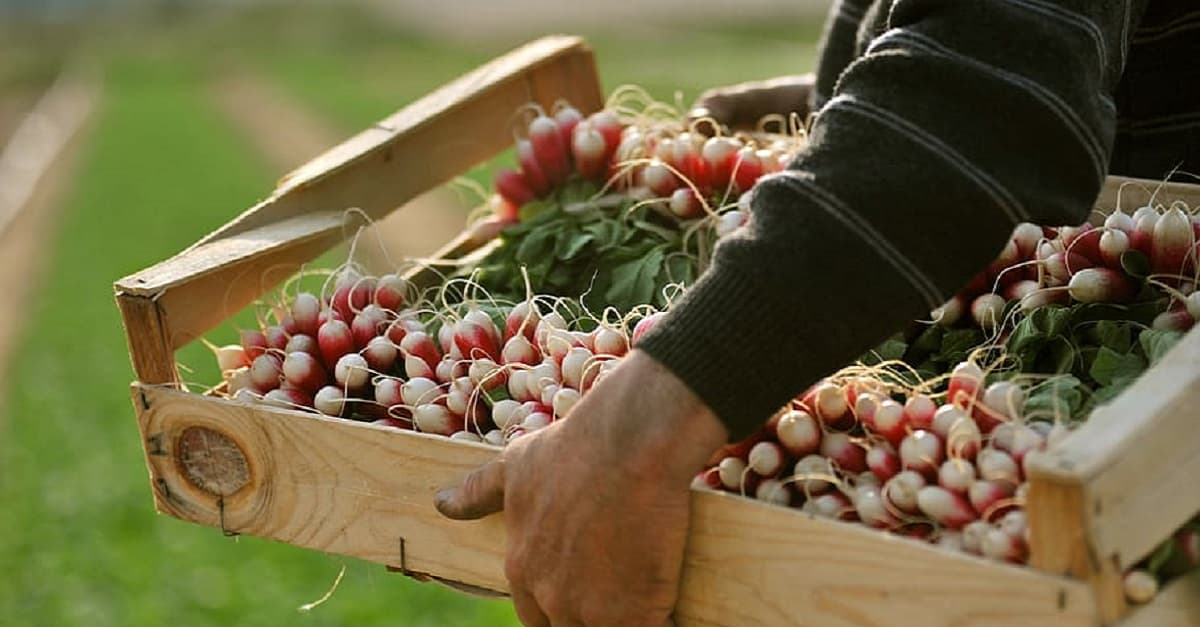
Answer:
(617, 212)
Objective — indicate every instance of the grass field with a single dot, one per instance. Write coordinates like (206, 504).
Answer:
(78, 537)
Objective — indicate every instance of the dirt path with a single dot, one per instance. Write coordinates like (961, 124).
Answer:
(287, 135)
(37, 164)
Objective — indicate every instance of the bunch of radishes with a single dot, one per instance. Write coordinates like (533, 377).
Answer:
(647, 156)
(1113, 263)
(459, 371)
(854, 448)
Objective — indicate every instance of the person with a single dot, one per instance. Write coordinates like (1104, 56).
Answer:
(941, 124)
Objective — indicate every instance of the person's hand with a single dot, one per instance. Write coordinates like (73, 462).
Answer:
(741, 106)
(597, 505)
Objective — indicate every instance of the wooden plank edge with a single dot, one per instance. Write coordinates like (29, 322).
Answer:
(146, 336)
(727, 532)
(1127, 193)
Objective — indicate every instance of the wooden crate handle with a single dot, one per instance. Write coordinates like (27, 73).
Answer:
(418, 148)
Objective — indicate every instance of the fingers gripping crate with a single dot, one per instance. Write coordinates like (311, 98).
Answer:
(1100, 501)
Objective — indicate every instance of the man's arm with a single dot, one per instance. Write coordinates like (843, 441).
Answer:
(962, 119)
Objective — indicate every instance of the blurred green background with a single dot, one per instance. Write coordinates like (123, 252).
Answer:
(166, 158)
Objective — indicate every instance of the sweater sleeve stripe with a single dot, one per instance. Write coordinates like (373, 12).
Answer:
(899, 37)
(871, 236)
(1071, 19)
(1003, 198)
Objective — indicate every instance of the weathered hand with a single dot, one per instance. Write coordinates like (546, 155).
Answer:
(744, 104)
(597, 505)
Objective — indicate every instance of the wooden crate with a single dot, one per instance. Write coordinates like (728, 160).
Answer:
(1100, 501)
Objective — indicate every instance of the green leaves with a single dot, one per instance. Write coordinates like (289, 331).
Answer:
(602, 248)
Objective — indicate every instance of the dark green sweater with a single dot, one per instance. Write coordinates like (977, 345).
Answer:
(941, 124)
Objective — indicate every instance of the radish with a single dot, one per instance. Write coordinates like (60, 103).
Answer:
(519, 350)
(304, 372)
(766, 459)
(1142, 237)
(547, 396)
(486, 374)
(1021, 289)
(889, 421)
(1113, 244)
(573, 366)
(277, 338)
(732, 471)
(830, 406)
(609, 341)
(945, 418)
(956, 475)
(865, 479)
(747, 168)
(591, 150)
(564, 399)
(364, 327)
(833, 505)
(1119, 221)
(306, 312)
(996, 465)
(419, 391)
(418, 344)
(973, 534)
(434, 418)
(871, 509)
(845, 452)
(393, 423)
(644, 326)
(798, 432)
(288, 398)
(335, 340)
(719, 154)
(330, 401)
(266, 372)
(729, 222)
(1173, 320)
(238, 380)
(231, 356)
(391, 292)
(922, 451)
(380, 354)
(553, 325)
(660, 179)
(964, 440)
(459, 395)
(537, 180)
(951, 541)
(495, 437)
(1101, 285)
(253, 342)
(476, 341)
(522, 319)
(813, 475)
(1140, 586)
(351, 293)
(609, 127)
(950, 312)
(465, 436)
(864, 407)
(965, 380)
(945, 507)
(685, 204)
(900, 492)
(518, 386)
(883, 461)
(1083, 240)
(918, 412)
(991, 499)
(1005, 398)
(708, 479)
(506, 413)
(352, 372)
(998, 545)
(537, 420)
(773, 491)
(1023, 440)
(448, 369)
(1173, 239)
(1015, 523)
(387, 392)
(415, 367)
(304, 344)
(567, 118)
(541, 375)
(397, 329)
(1026, 236)
(988, 311)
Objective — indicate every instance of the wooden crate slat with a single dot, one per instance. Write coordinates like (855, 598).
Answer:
(357, 490)
(1134, 193)
(1178, 605)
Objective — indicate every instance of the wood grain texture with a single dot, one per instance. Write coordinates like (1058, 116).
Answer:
(146, 336)
(355, 489)
(1178, 605)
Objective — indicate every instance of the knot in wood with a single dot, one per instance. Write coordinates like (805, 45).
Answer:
(212, 461)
